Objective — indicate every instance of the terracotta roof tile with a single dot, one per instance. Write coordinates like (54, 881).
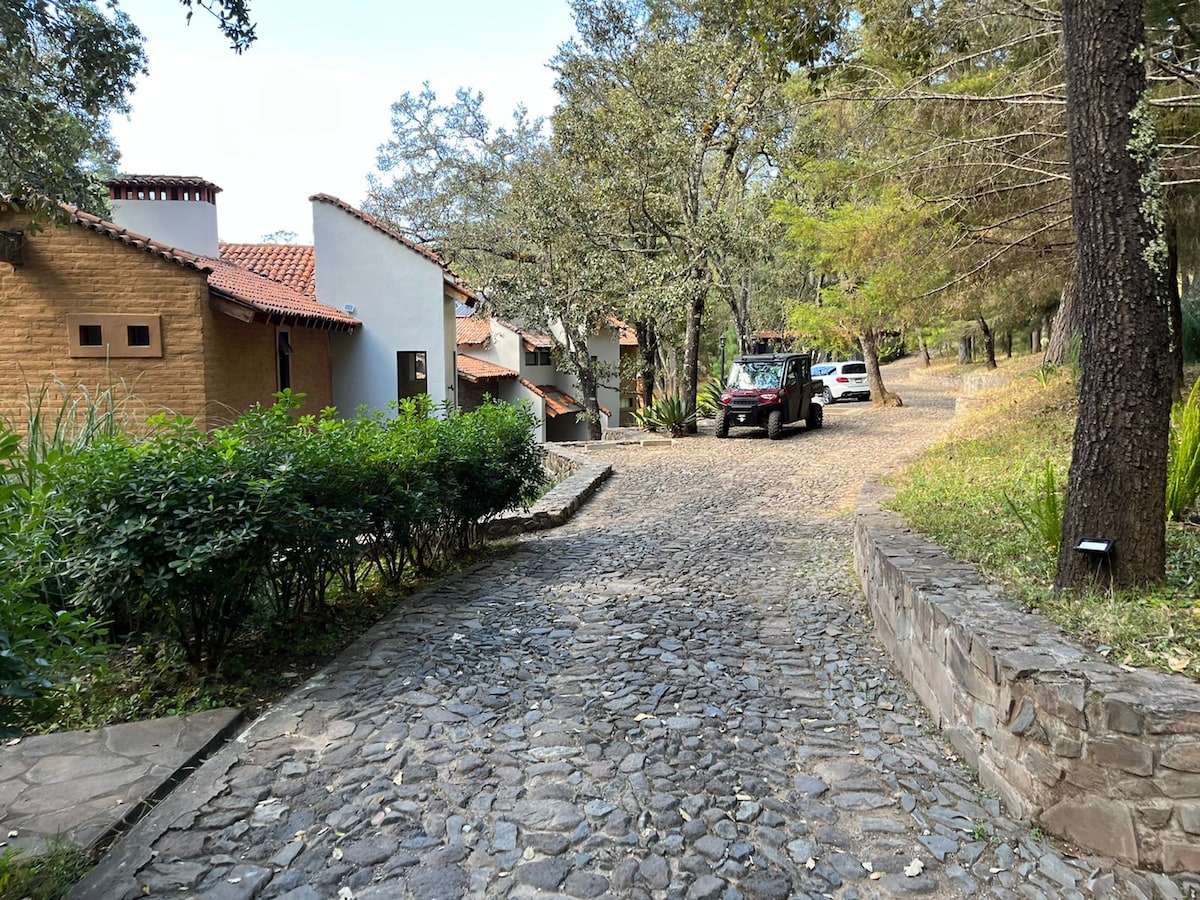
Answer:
(273, 299)
(535, 341)
(477, 369)
(451, 278)
(227, 279)
(558, 402)
(472, 331)
(162, 181)
(138, 241)
(627, 335)
(290, 264)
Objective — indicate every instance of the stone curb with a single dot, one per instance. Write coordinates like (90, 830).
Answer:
(558, 504)
(1105, 757)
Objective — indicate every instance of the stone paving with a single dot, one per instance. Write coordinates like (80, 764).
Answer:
(675, 695)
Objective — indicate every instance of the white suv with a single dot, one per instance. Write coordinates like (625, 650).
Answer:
(842, 381)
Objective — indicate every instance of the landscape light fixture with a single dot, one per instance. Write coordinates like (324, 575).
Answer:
(1096, 546)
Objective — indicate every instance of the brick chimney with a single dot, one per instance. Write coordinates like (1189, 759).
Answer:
(179, 211)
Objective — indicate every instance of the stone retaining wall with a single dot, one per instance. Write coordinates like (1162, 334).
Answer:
(580, 476)
(1104, 757)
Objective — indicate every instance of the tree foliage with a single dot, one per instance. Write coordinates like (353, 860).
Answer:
(64, 68)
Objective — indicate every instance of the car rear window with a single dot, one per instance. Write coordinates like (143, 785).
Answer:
(855, 368)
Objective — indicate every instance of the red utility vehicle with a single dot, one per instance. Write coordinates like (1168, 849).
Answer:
(770, 391)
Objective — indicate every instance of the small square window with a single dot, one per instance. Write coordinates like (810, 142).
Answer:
(138, 335)
(531, 358)
(91, 336)
(544, 358)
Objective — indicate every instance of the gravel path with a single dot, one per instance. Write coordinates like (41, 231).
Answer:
(675, 695)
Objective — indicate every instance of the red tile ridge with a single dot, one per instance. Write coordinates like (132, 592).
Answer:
(139, 241)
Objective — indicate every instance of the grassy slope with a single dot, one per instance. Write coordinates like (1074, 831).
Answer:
(959, 494)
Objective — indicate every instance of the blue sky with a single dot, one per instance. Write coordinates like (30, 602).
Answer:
(305, 109)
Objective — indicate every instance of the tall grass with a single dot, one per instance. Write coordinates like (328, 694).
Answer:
(58, 418)
(1183, 457)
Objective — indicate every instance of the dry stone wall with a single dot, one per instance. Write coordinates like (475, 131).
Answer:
(1105, 757)
(578, 477)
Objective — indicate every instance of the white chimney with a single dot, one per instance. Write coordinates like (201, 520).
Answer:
(179, 211)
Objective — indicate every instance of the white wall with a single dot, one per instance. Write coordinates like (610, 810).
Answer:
(189, 225)
(399, 297)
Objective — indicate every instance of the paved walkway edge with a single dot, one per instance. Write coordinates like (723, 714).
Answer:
(584, 475)
(225, 722)
(1102, 756)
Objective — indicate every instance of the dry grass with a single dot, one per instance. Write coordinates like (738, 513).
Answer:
(962, 494)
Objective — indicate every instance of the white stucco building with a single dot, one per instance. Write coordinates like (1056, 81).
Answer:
(405, 297)
(514, 364)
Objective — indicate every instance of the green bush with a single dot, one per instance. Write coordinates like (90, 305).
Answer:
(169, 535)
(708, 398)
(1041, 511)
(195, 536)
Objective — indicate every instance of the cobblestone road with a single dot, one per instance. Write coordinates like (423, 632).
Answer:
(676, 695)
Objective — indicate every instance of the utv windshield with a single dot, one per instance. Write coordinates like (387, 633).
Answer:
(745, 376)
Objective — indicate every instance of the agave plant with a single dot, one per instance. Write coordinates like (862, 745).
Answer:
(668, 414)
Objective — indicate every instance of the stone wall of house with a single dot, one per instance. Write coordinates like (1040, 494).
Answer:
(1104, 757)
(69, 270)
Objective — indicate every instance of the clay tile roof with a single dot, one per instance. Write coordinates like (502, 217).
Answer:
(628, 337)
(535, 341)
(162, 181)
(290, 264)
(451, 278)
(273, 299)
(229, 280)
(472, 331)
(139, 241)
(478, 369)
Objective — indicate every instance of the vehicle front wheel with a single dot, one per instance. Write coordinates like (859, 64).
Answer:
(826, 396)
(816, 416)
(722, 422)
(775, 425)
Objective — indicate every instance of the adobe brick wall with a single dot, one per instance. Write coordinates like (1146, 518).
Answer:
(211, 363)
(242, 367)
(1107, 758)
(71, 270)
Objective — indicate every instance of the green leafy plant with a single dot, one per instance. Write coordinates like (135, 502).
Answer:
(1045, 373)
(708, 398)
(1183, 457)
(670, 414)
(1041, 512)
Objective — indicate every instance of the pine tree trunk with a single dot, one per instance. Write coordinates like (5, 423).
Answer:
(691, 350)
(1065, 325)
(1117, 484)
(1007, 338)
(923, 347)
(647, 336)
(1035, 341)
(989, 343)
(965, 351)
(880, 395)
